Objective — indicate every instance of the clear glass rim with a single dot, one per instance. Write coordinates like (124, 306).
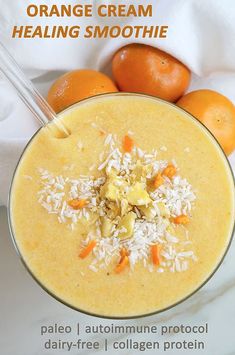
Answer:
(12, 234)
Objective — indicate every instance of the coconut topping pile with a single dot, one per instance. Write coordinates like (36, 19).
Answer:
(137, 210)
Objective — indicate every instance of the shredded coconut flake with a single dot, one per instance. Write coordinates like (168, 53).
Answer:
(176, 195)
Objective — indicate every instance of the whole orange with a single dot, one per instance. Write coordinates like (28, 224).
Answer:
(145, 69)
(77, 85)
(216, 112)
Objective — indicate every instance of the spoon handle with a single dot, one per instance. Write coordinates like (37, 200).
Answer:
(26, 90)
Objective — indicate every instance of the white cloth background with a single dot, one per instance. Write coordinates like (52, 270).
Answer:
(201, 34)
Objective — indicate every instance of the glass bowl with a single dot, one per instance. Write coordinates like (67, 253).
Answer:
(98, 97)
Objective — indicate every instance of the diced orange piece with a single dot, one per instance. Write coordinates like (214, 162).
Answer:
(76, 204)
(169, 171)
(88, 249)
(155, 252)
(128, 144)
(124, 260)
(158, 180)
(123, 253)
(182, 219)
(122, 265)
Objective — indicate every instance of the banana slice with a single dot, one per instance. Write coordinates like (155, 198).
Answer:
(114, 188)
(163, 210)
(137, 195)
(126, 225)
(106, 227)
(148, 211)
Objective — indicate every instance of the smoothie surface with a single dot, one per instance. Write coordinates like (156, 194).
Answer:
(67, 194)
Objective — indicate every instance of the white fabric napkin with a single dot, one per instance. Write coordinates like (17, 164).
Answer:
(201, 34)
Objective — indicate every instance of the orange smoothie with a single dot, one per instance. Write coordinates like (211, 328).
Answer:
(128, 215)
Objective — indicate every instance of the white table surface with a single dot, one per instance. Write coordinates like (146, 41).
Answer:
(25, 307)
